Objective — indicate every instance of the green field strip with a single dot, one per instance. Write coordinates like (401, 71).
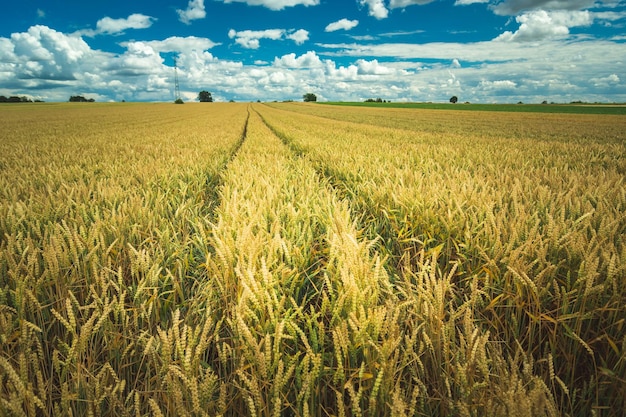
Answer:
(616, 109)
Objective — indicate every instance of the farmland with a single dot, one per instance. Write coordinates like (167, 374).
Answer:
(573, 108)
(293, 259)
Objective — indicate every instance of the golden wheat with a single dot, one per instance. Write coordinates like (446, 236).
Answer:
(234, 259)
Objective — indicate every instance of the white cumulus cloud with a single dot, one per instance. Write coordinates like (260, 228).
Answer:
(194, 11)
(308, 60)
(607, 81)
(372, 68)
(397, 4)
(250, 39)
(299, 36)
(181, 44)
(376, 8)
(45, 53)
(468, 2)
(140, 58)
(539, 25)
(513, 7)
(276, 4)
(497, 84)
(110, 26)
(380, 8)
(343, 24)
(134, 21)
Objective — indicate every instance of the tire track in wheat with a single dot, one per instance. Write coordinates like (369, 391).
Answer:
(288, 268)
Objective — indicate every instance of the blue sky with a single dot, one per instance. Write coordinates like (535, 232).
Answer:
(482, 51)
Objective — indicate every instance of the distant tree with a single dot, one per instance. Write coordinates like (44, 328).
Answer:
(81, 99)
(454, 99)
(205, 97)
(370, 100)
(544, 102)
(379, 100)
(309, 97)
(179, 101)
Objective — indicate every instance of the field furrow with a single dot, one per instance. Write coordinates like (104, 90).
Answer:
(305, 321)
(287, 269)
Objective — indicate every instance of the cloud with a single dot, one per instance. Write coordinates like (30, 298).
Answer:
(41, 14)
(53, 65)
(250, 39)
(111, 26)
(179, 44)
(608, 17)
(376, 8)
(276, 4)
(194, 11)
(343, 24)
(468, 2)
(401, 33)
(7, 54)
(57, 65)
(553, 70)
(609, 80)
(513, 7)
(372, 68)
(379, 10)
(399, 4)
(308, 60)
(299, 36)
(43, 53)
(539, 25)
(498, 85)
(140, 58)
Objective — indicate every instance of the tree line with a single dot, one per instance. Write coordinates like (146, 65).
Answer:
(16, 99)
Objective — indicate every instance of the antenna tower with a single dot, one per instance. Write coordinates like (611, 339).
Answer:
(176, 85)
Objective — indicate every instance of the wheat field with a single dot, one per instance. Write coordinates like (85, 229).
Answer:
(290, 259)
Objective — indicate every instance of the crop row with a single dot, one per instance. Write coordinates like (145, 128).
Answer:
(529, 229)
(263, 260)
(102, 213)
